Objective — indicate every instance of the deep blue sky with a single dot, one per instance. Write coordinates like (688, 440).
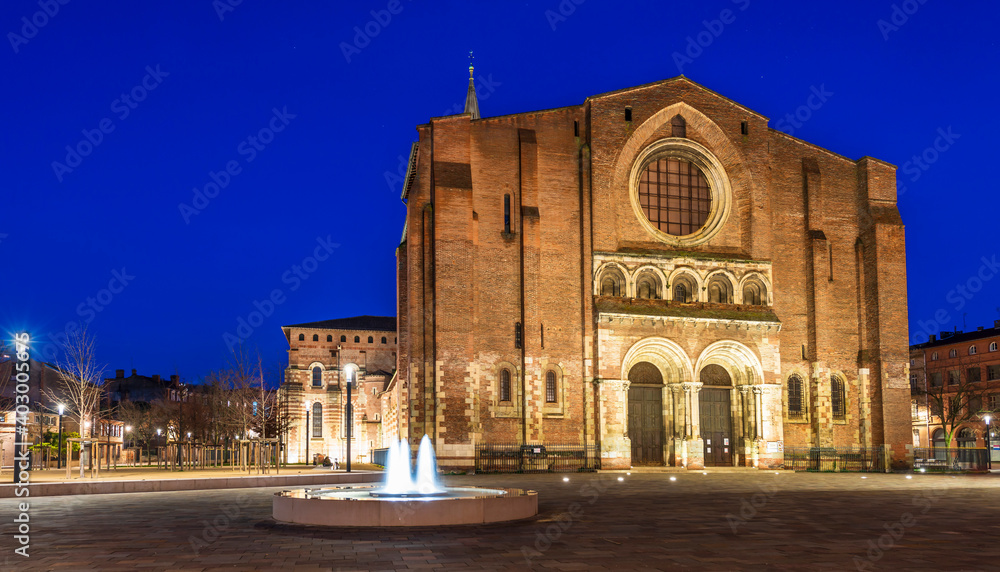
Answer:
(324, 174)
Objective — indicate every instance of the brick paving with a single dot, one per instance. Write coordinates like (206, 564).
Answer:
(719, 521)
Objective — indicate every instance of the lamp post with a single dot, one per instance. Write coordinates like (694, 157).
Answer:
(349, 414)
(989, 450)
(128, 429)
(62, 409)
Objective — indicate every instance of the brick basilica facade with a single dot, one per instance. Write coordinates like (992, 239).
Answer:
(654, 273)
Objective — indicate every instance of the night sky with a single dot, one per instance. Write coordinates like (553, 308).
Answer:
(304, 120)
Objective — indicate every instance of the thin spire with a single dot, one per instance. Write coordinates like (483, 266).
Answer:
(471, 103)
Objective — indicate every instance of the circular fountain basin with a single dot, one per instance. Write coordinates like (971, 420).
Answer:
(354, 505)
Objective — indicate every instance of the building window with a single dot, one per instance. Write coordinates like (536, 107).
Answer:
(612, 282)
(720, 291)
(934, 356)
(995, 402)
(317, 376)
(357, 339)
(343, 338)
(678, 127)
(838, 399)
(517, 335)
(753, 293)
(680, 293)
(506, 214)
(384, 340)
(953, 354)
(302, 337)
(329, 338)
(975, 404)
(972, 350)
(315, 337)
(795, 396)
(992, 372)
(993, 347)
(914, 410)
(647, 287)
(317, 421)
(936, 380)
(675, 196)
(913, 382)
(550, 387)
(628, 114)
(953, 377)
(371, 340)
(973, 374)
(504, 384)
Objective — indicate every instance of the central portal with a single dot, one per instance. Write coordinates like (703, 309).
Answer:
(645, 414)
(716, 416)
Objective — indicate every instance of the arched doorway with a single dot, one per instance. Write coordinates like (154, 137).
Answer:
(645, 413)
(716, 416)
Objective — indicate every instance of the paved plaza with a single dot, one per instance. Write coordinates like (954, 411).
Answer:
(718, 521)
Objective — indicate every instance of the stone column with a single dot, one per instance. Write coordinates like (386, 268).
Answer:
(693, 442)
(616, 447)
(678, 412)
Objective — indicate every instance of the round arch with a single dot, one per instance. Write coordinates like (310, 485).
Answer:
(667, 355)
(612, 269)
(751, 277)
(658, 277)
(683, 272)
(740, 361)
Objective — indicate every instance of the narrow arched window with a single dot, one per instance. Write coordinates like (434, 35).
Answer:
(317, 376)
(505, 385)
(795, 396)
(993, 347)
(343, 338)
(317, 420)
(838, 400)
(302, 337)
(972, 350)
(678, 127)
(384, 340)
(934, 356)
(953, 353)
(315, 337)
(680, 293)
(550, 387)
(506, 214)
(329, 338)
(357, 339)
(371, 339)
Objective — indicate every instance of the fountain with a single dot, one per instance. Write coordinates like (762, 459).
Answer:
(404, 499)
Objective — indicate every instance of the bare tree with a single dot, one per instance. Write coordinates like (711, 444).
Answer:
(954, 403)
(82, 380)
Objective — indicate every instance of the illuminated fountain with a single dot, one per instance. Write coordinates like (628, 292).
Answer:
(404, 499)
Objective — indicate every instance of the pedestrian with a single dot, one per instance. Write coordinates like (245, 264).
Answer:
(336, 464)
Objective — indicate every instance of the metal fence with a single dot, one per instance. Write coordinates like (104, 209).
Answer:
(941, 460)
(832, 459)
(537, 458)
(379, 457)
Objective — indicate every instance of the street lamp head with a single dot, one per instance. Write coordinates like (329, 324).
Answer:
(158, 432)
(987, 419)
(61, 408)
(128, 428)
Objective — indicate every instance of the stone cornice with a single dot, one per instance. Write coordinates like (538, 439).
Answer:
(763, 326)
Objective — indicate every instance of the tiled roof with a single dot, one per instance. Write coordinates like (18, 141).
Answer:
(376, 323)
(959, 337)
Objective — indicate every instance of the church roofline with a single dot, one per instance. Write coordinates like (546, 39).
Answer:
(673, 79)
(359, 323)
